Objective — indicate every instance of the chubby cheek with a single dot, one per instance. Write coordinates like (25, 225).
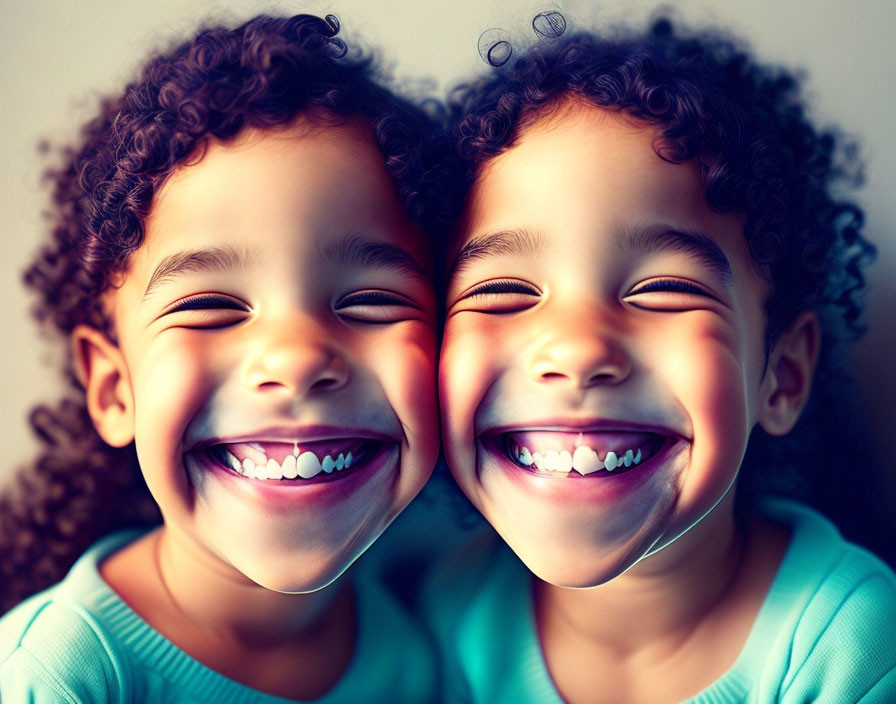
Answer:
(171, 383)
(405, 364)
(467, 369)
(709, 377)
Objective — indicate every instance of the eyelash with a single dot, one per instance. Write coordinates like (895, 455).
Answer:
(498, 287)
(670, 286)
(661, 285)
(376, 308)
(380, 298)
(513, 295)
(206, 301)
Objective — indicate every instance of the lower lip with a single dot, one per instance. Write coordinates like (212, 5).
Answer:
(289, 493)
(599, 486)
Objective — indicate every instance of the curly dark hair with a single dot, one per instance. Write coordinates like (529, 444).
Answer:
(746, 126)
(261, 74)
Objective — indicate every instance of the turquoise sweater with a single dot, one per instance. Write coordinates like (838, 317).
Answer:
(79, 642)
(825, 633)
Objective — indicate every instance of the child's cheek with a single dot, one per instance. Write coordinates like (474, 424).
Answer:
(406, 362)
(173, 379)
(709, 375)
(470, 350)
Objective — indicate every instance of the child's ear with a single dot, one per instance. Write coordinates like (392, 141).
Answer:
(101, 369)
(788, 377)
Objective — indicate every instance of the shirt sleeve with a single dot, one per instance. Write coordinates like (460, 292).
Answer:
(23, 679)
(57, 656)
(843, 652)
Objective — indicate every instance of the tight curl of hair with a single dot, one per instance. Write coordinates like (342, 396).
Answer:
(262, 74)
(745, 126)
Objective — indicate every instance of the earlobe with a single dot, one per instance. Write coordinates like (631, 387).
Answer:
(788, 378)
(101, 369)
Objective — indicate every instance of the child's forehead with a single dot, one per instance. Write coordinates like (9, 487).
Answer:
(298, 190)
(558, 164)
(321, 127)
(600, 173)
(615, 130)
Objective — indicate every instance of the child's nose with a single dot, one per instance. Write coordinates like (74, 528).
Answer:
(582, 353)
(296, 359)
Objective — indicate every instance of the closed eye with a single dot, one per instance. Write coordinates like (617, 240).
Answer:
(206, 311)
(670, 294)
(206, 301)
(498, 296)
(377, 306)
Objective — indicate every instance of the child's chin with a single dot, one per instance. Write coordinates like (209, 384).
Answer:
(306, 582)
(293, 572)
(572, 576)
(578, 564)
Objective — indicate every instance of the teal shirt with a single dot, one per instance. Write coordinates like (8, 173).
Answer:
(79, 642)
(825, 633)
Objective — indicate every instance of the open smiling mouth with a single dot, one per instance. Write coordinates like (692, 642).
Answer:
(321, 460)
(581, 454)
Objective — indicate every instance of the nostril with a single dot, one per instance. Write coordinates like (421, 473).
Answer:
(601, 376)
(270, 385)
(321, 384)
(553, 375)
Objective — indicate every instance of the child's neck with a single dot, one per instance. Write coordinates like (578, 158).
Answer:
(678, 619)
(239, 607)
(232, 625)
(668, 594)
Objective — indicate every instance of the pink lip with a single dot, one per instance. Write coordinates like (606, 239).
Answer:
(300, 434)
(573, 490)
(288, 495)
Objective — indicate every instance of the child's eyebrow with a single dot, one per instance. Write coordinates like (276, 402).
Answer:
(211, 259)
(356, 250)
(649, 239)
(353, 250)
(660, 238)
(504, 242)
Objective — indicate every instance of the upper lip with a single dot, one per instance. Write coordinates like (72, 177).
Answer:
(299, 434)
(582, 425)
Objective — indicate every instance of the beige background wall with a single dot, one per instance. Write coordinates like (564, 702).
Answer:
(57, 57)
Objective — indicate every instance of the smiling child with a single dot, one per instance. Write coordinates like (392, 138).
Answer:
(635, 281)
(250, 308)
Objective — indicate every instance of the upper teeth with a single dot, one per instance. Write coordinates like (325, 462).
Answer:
(584, 460)
(299, 464)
